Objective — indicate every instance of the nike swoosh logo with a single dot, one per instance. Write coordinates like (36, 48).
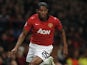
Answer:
(36, 24)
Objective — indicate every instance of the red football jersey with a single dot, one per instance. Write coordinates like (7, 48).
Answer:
(42, 32)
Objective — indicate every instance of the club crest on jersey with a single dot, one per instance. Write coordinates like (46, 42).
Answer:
(44, 32)
(50, 25)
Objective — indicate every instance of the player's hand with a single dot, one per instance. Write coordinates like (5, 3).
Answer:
(65, 50)
(13, 51)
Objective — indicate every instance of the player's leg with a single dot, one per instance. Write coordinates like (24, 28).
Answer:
(44, 53)
(51, 61)
(37, 54)
(31, 58)
(36, 61)
(48, 61)
(30, 55)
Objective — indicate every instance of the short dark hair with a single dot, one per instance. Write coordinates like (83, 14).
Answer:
(42, 4)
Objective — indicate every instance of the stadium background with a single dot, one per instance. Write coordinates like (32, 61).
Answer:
(72, 13)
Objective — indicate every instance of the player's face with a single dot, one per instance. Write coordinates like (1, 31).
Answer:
(43, 11)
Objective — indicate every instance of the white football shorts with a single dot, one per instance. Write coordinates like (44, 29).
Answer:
(38, 50)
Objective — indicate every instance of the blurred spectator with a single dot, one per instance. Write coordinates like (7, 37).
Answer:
(73, 59)
(61, 57)
(1, 50)
(20, 56)
(83, 58)
(13, 62)
(1, 61)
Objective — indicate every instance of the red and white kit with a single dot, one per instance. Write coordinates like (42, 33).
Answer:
(42, 32)
(42, 36)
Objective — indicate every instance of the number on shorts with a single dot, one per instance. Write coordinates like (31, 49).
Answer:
(45, 54)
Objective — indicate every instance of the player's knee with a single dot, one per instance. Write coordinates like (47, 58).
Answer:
(34, 63)
(49, 61)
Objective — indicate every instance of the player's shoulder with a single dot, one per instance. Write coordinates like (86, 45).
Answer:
(33, 17)
(54, 18)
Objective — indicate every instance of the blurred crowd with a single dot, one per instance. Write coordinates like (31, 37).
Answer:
(72, 14)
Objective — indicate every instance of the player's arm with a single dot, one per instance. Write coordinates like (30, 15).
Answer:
(60, 28)
(65, 49)
(20, 40)
(22, 36)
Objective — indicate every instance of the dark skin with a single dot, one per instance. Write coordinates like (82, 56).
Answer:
(43, 13)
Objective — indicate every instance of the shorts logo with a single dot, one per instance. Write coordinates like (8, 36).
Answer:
(45, 54)
(43, 31)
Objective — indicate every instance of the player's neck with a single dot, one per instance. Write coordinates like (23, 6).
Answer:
(44, 19)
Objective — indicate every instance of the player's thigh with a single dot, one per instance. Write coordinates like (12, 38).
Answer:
(30, 55)
(43, 52)
(36, 60)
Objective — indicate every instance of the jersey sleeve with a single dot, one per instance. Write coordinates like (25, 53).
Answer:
(58, 24)
(28, 25)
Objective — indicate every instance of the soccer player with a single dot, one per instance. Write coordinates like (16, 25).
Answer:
(43, 27)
